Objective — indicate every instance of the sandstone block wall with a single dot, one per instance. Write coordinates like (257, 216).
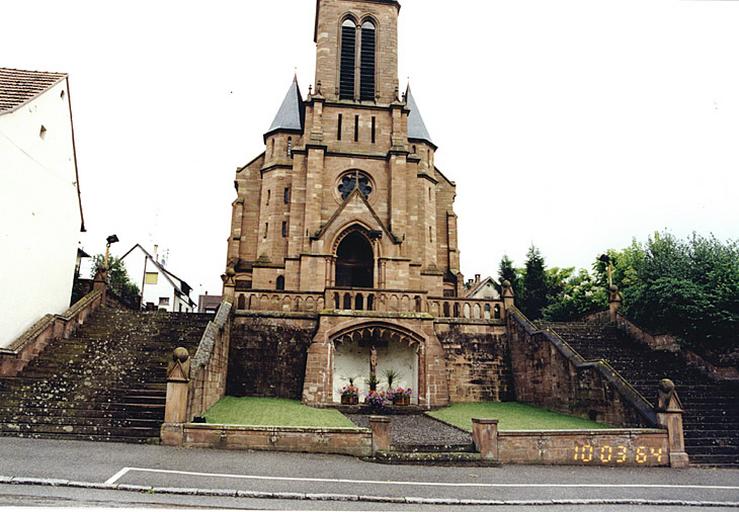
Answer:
(477, 362)
(268, 356)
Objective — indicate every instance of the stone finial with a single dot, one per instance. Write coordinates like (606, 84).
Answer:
(667, 399)
(670, 416)
(508, 295)
(178, 369)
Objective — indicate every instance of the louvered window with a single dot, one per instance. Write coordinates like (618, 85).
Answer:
(348, 60)
(367, 62)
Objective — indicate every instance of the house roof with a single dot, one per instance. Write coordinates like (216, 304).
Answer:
(169, 275)
(482, 284)
(18, 87)
(416, 127)
(292, 111)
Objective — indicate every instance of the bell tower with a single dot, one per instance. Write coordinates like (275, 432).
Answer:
(357, 50)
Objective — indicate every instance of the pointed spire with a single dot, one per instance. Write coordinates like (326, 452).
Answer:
(292, 111)
(416, 126)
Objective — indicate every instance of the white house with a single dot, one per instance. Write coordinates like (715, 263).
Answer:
(160, 288)
(40, 207)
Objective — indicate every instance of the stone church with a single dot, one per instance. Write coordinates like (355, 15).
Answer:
(345, 226)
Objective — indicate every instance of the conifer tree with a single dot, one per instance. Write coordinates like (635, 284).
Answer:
(534, 285)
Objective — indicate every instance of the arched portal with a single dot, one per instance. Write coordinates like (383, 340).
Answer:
(355, 262)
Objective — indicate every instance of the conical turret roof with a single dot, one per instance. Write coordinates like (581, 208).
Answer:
(416, 127)
(292, 111)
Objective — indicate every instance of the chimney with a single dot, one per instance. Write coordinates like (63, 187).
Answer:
(477, 278)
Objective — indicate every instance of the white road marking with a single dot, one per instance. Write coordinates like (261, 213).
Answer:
(118, 475)
(113, 479)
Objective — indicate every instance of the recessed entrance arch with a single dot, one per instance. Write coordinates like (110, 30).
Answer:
(355, 262)
(378, 349)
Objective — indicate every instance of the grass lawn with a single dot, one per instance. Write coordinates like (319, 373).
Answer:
(273, 412)
(512, 416)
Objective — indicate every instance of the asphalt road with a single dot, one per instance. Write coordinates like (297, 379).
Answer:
(306, 476)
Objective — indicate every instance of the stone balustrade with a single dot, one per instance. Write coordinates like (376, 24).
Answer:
(468, 309)
(370, 299)
(279, 301)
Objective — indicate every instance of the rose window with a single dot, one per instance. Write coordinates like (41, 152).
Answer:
(353, 180)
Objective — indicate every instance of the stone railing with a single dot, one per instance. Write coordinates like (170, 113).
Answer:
(468, 309)
(208, 375)
(31, 343)
(548, 372)
(370, 299)
(261, 300)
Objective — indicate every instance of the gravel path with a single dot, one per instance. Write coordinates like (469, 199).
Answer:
(418, 430)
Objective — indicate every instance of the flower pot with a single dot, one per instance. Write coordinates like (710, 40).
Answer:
(402, 400)
(349, 400)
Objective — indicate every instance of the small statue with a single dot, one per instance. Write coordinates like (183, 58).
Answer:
(373, 361)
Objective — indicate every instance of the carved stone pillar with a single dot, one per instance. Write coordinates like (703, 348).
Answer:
(670, 416)
(614, 302)
(485, 437)
(381, 440)
(178, 381)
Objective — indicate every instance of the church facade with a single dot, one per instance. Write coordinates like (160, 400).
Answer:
(345, 221)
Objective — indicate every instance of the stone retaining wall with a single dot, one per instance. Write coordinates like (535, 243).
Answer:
(268, 354)
(477, 361)
(356, 442)
(622, 447)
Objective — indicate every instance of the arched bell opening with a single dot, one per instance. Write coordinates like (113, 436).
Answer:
(355, 262)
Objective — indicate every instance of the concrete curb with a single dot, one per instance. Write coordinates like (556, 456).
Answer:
(232, 493)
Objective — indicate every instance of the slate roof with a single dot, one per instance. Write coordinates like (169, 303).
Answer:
(416, 127)
(18, 87)
(292, 111)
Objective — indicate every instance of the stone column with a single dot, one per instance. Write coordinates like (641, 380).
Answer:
(614, 302)
(485, 437)
(670, 416)
(381, 440)
(178, 381)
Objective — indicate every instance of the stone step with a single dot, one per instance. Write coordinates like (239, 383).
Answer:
(119, 414)
(100, 438)
(81, 421)
(430, 448)
(452, 459)
(101, 430)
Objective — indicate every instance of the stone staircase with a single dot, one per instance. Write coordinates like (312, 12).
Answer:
(711, 408)
(105, 384)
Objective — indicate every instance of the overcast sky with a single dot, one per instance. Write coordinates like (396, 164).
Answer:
(574, 125)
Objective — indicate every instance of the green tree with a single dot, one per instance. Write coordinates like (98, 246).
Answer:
(118, 279)
(581, 295)
(535, 290)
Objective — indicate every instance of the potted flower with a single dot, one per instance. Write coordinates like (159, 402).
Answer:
(375, 400)
(350, 394)
(402, 396)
